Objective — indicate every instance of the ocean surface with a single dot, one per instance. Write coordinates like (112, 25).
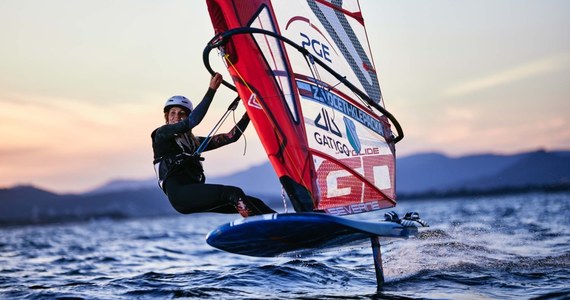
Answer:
(493, 247)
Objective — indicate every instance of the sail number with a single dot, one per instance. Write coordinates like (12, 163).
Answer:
(317, 47)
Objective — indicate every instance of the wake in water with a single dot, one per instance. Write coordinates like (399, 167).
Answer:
(513, 248)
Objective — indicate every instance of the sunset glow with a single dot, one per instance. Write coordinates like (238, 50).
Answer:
(82, 83)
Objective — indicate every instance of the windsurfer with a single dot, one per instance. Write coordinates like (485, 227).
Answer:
(179, 166)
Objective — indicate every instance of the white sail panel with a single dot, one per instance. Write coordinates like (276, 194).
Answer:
(334, 34)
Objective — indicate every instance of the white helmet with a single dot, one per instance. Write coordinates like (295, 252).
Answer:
(178, 101)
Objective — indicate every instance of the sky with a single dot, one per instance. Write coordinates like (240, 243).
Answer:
(82, 83)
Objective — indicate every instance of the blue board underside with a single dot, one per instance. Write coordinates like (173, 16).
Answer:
(282, 234)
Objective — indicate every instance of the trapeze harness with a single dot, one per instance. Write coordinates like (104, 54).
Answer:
(182, 163)
(182, 153)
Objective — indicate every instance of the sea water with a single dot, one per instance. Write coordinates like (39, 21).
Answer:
(492, 247)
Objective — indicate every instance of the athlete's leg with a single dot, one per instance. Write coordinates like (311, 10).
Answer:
(198, 197)
(192, 198)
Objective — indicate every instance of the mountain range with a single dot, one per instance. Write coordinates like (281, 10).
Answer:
(433, 172)
(417, 175)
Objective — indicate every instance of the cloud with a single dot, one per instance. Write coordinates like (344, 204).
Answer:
(536, 68)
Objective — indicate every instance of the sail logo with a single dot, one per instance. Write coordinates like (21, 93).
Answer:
(354, 208)
(323, 121)
(326, 123)
(325, 97)
(253, 102)
(352, 135)
(317, 47)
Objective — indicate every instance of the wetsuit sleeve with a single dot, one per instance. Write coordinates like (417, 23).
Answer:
(233, 135)
(200, 111)
(196, 116)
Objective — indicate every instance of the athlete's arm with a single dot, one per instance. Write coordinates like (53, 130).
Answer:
(233, 135)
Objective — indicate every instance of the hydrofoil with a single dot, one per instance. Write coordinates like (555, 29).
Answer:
(305, 233)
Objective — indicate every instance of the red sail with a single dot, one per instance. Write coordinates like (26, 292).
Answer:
(331, 151)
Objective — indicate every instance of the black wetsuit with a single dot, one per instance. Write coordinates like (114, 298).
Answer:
(181, 172)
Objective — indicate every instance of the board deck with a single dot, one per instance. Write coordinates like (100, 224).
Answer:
(281, 234)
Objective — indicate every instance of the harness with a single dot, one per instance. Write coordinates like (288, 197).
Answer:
(184, 163)
(189, 165)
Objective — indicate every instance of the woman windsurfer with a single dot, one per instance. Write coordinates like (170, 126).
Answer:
(179, 167)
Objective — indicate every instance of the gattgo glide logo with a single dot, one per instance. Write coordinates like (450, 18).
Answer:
(328, 124)
(323, 121)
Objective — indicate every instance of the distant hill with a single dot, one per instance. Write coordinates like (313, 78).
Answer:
(259, 180)
(422, 174)
(124, 185)
(29, 205)
(537, 168)
(435, 172)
